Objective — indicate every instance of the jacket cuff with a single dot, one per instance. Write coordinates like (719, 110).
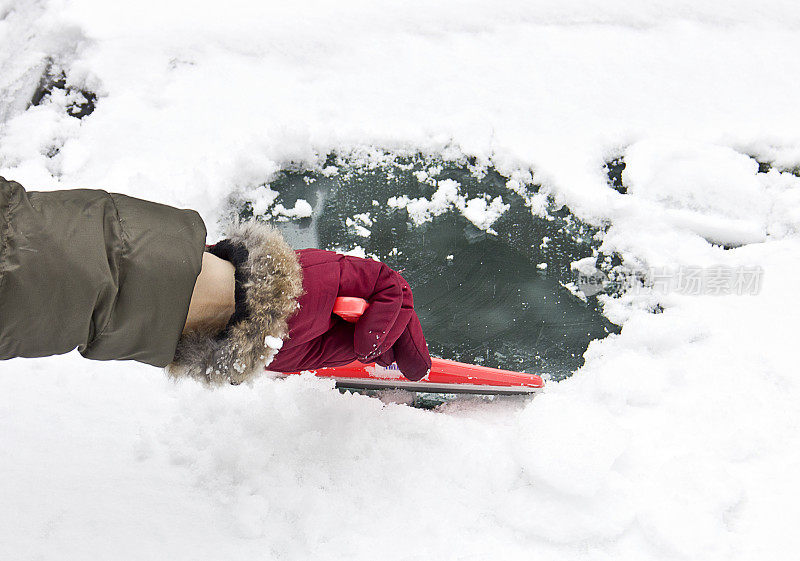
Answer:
(269, 282)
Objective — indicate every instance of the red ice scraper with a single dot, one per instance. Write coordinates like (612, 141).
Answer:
(446, 376)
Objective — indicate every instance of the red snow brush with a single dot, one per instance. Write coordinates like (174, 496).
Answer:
(446, 376)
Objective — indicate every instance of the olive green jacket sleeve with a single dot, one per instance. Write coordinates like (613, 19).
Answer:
(108, 274)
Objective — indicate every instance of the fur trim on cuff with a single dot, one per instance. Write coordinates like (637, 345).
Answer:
(273, 281)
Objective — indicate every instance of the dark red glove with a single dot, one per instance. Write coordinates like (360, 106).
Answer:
(389, 331)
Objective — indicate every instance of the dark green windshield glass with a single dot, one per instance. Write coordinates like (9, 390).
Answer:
(495, 297)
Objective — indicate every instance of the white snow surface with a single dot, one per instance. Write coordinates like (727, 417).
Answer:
(678, 439)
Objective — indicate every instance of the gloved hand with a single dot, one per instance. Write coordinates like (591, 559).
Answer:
(389, 331)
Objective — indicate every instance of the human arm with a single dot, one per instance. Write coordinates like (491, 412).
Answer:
(284, 313)
(213, 302)
(105, 273)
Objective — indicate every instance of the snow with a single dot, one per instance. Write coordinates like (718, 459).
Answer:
(359, 222)
(481, 211)
(273, 342)
(356, 251)
(301, 209)
(712, 191)
(679, 438)
(263, 198)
